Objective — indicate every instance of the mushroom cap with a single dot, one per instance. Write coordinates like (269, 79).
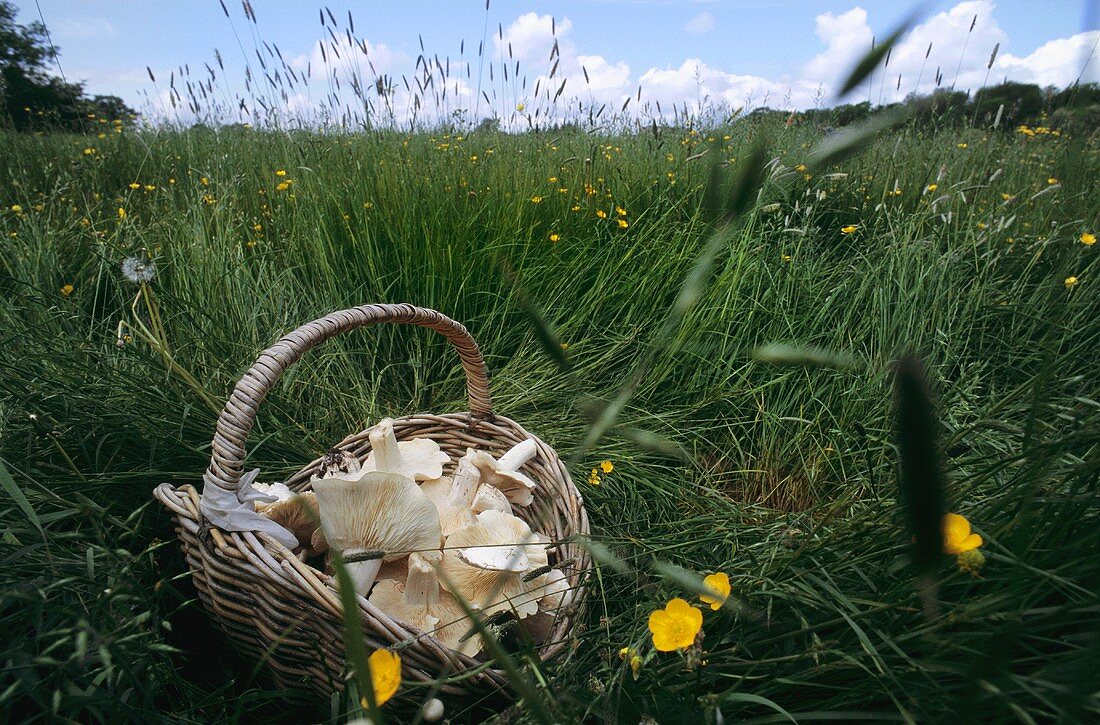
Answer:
(491, 498)
(420, 458)
(398, 570)
(437, 489)
(279, 490)
(382, 511)
(553, 592)
(419, 602)
(514, 485)
(297, 514)
(485, 563)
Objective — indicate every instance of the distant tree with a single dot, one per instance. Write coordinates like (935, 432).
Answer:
(1022, 102)
(850, 113)
(30, 98)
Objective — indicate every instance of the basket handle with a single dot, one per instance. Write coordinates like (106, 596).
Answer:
(227, 450)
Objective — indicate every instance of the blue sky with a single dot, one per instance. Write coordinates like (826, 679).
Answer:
(787, 53)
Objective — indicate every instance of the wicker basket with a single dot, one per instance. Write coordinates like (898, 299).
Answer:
(279, 610)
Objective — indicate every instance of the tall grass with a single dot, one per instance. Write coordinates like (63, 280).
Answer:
(789, 482)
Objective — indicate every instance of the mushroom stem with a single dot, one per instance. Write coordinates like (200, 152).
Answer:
(422, 584)
(362, 573)
(383, 442)
(464, 484)
(517, 456)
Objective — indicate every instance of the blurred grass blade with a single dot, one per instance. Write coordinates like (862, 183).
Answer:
(851, 140)
(867, 64)
(647, 440)
(548, 340)
(744, 193)
(733, 697)
(355, 645)
(711, 205)
(689, 581)
(748, 182)
(17, 495)
(922, 486)
(603, 555)
(809, 356)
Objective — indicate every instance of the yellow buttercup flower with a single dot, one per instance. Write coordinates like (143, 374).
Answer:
(601, 213)
(675, 626)
(16, 208)
(957, 536)
(849, 229)
(520, 107)
(1070, 282)
(385, 675)
(121, 213)
(1088, 239)
(932, 187)
(594, 477)
(607, 466)
(1052, 180)
(66, 290)
(536, 199)
(135, 185)
(555, 237)
(623, 224)
(719, 584)
(281, 172)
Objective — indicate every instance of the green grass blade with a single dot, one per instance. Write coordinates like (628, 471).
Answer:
(12, 488)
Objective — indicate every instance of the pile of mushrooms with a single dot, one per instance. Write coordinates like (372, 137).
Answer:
(415, 540)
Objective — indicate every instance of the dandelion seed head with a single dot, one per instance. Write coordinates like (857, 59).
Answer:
(139, 270)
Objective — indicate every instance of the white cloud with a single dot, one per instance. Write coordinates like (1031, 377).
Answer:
(1058, 63)
(701, 24)
(548, 55)
(846, 37)
(960, 55)
(82, 28)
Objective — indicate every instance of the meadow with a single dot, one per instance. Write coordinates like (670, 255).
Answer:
(759, 438)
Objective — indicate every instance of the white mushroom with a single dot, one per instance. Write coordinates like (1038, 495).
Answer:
(419, 602)
(491, 498)
(553, 592)
(420, 459)
(437, 489)
(486, 564)
(384, 513)
(504, 473)
(297, 514)
(279, 490)
(454, 513)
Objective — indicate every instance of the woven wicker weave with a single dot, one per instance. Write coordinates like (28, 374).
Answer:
(279, 610)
